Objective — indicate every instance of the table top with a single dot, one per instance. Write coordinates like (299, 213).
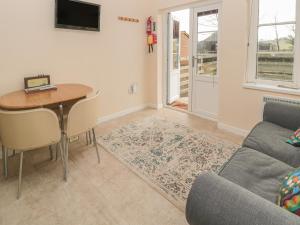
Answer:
(19, 100)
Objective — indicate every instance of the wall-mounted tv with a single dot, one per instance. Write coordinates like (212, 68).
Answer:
(78, 15)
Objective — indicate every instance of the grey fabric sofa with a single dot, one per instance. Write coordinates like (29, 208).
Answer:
(245, 191)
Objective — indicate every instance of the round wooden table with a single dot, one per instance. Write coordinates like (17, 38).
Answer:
(64, 94)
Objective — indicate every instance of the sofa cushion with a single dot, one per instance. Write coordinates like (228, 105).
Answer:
(257, 172)
(290, 192)
(270, 139)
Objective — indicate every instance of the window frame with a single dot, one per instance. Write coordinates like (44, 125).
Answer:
(251, 73)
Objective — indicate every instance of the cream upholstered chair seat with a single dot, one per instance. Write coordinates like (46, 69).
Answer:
(28, 130)
(82, 118)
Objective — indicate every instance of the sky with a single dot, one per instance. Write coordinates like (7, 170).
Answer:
(283, 10)
(184, 17)
(206, 23)
(280, 11)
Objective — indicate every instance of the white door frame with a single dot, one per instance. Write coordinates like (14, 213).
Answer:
(165, 50)
(173, 74)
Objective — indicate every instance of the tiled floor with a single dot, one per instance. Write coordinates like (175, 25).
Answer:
(95, 194)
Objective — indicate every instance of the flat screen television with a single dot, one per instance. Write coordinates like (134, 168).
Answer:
(78, 15)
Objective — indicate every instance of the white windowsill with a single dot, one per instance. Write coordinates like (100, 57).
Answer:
(271, 88)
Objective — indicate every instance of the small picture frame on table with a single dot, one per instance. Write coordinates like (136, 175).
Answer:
(37, 81)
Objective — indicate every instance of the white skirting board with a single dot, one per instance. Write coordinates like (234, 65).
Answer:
(126, 112)
(232, 129)
(155, 106)
(205, 115)
(221, 126)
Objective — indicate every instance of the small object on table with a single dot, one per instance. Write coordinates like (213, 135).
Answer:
(38, 83)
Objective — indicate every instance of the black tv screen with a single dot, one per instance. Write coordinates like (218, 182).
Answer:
(72, 14)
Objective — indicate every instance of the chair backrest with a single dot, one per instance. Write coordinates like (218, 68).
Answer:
(30, 129)
(83, 116)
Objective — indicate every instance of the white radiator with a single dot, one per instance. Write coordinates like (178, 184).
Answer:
(281, 100)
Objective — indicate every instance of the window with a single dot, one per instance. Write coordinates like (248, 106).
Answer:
(208, 24)
(272, 44)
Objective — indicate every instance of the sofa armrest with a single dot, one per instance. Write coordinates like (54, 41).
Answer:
(214, 200)
(284, 115)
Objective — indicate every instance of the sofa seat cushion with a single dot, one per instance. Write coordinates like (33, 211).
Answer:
(257, 172)
(271, 139)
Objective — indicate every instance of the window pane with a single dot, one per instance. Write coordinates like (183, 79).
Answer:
(176, 54)
(208, 22)
(276, 11)
(207, 43)
(275, 66)
(176, 44)
(275, 57)
(207, 53)
(276, 38)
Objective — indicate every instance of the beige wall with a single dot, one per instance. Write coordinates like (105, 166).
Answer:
(117, 56)
(110, 60)
(164, 4)
(239, 107)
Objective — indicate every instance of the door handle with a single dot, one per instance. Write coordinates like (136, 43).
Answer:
(195, 58)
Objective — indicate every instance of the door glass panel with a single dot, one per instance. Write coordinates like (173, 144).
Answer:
(176, 44)
(208, 21)
(207, 43)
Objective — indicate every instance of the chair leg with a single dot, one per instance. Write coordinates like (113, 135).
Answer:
(51, 152)
(3, 161)
(86, 138)
(91, 137)
(56, 152)
(66, 157)
(61, 148)
(96, 145)
(5, 164)
(20, 175)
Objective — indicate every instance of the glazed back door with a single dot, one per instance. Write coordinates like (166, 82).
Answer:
(174, 60)
(205, 61)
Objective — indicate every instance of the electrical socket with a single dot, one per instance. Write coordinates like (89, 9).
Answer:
(133, 89)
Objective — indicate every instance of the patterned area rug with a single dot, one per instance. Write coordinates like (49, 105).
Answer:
(168, 155)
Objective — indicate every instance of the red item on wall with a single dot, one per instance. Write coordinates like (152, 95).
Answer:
(149, 25)
(154, 39)
(151, 36)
